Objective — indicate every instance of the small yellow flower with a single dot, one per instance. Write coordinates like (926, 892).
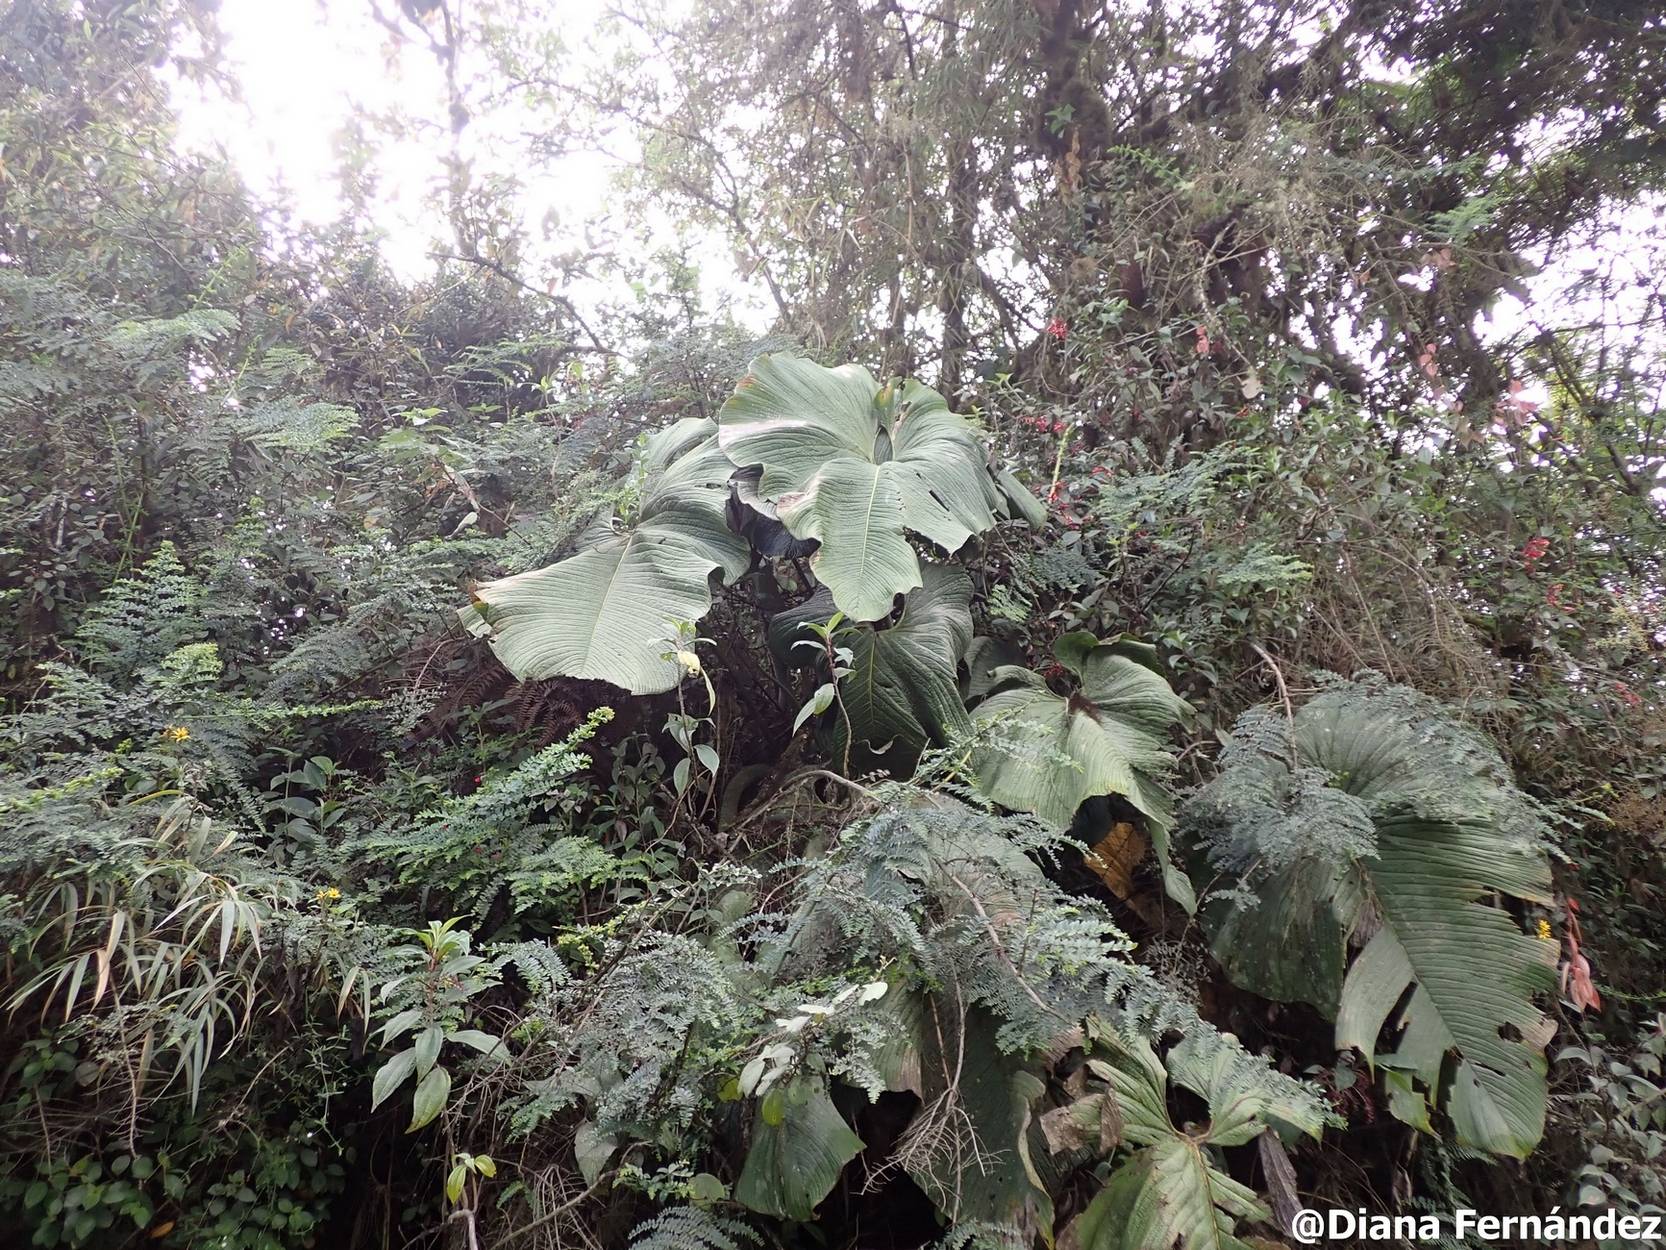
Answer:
(328, 894)
(689, 661)
(1544, 930)
(176, 733)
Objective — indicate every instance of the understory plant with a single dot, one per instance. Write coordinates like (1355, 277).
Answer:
(511, 757)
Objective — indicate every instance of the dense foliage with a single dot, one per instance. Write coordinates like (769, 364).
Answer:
(1130, 711)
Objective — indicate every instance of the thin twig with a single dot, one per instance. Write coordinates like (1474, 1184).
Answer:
(1278, 677)
(1001, 950)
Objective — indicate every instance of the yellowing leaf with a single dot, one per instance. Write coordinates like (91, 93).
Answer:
(1114, 856)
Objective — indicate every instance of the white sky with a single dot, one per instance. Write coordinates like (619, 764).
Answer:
(303, 76)
(308, 67)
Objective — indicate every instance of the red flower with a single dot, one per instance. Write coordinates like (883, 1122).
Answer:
(1553, 596)
(1058, 327)
(1203, 344)
(1534, 550)
(1628, 694)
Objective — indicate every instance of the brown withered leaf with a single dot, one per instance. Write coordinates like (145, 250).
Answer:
(1063, 1129)
(1115, 855)
(1281, 1180)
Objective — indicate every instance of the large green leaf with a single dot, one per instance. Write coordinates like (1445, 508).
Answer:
(901, 692)
(941, 468)
(1018, 501)
(609, 612)
(856, 467)
(1167, 1195)
(1447, 833)
(1294, 915)
(1171, 1191)
(855, 511)
(1049, 752)
(1472, 972)
(974, 1147)
(800, 1144)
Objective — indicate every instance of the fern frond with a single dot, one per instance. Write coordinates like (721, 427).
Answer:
(692, 1228)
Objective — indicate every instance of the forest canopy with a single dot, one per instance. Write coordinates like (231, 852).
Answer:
(1044, 628)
